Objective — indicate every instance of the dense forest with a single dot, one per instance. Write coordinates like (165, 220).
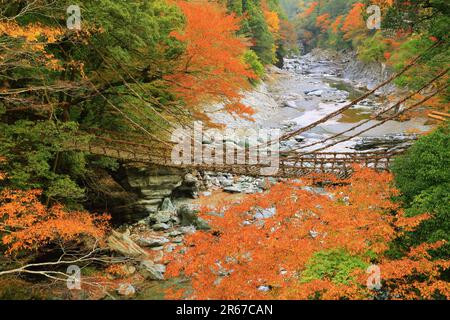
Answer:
(134, 71)
(404, 30)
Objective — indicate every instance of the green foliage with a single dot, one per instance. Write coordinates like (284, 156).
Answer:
(425, 165)
(251, 59)
(334, 265)
(105, 163)
(423, 177)
(124, 51)
(37, 158)
(432, 62)
(420, 16)
(254, 26)
(372, 49)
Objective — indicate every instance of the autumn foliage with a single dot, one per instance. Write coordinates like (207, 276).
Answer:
(336, 25)
(33, 38)
(316, 246)
(273, 20)
(309, 10)
(212, 65)
(27, 224)
(323, 21)
(354, 21)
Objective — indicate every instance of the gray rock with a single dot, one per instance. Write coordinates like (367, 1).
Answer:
(233, 189)
(148, 206)
(177, 240)
(175, 233)
(190, 179)
(152, 241)
(191, 185)
(170, 248)
(126, 289)
(317, 93)
(152, 271)
(167, 205)
(176, 220)
(162, 216)
(149, 202)
(250, 190)
(225, 182)
(202, 224)
(313, 234)
(160, 227)
(153, 193)
(142, 181)
(187, 229)
(265, 213)
(129, 269)
(160, 267)
(387, 141)
(189, 216)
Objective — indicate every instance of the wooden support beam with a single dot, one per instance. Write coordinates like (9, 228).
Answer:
(442, 114)
(439, 118)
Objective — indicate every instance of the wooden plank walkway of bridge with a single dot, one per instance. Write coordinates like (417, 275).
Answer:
(339, 164)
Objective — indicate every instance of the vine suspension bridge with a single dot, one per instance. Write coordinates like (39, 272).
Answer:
(292, 163)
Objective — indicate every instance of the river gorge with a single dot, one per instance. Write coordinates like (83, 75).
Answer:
(306, 89)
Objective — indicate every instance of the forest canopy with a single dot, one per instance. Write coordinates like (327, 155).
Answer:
(91, 94)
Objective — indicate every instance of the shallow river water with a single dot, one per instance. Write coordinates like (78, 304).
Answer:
(305, 91)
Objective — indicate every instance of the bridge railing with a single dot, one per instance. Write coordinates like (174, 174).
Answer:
(340, 164)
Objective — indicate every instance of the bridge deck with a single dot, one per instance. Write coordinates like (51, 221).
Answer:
(339, 164)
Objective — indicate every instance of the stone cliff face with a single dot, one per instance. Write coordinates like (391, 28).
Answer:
(137, 191)
(152, 184)
(364, 75)
(367, 75)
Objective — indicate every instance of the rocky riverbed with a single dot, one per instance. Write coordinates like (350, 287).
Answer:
(314, 85)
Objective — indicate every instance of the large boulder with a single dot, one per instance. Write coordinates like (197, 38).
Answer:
(162, 217)
(152, 184)
(152, 241)
(189, 217)
(123, 244)
(190, 186)
(126, 290)
(151, 271)
(167, 205)
(387, 141)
